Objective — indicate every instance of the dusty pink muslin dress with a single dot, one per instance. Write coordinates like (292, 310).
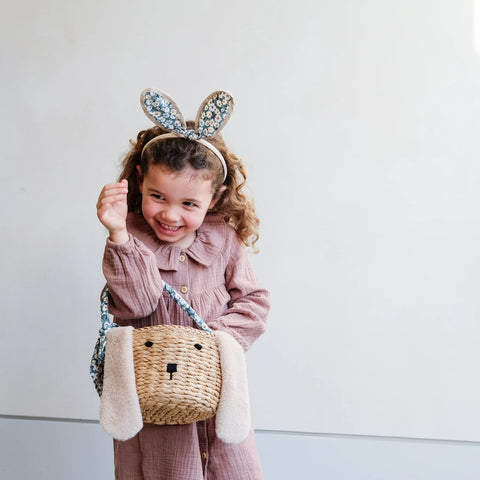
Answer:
(215, 277)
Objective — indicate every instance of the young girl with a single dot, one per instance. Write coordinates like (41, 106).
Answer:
(179, 215)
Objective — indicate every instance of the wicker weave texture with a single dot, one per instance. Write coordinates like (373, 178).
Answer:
(177, 372)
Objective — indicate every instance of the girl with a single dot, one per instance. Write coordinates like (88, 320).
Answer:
(178, 214)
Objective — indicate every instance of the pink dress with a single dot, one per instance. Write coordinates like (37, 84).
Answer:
(215, 277)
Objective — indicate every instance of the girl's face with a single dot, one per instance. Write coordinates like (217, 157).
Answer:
(174, 204)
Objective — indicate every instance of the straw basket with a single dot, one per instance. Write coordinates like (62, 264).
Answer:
(177, 374)
(177, 369)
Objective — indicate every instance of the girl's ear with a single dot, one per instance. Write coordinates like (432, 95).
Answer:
(217, 196)
(139, 178)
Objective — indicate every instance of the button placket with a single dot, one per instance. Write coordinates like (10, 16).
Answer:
(182, 258)
(203, 443)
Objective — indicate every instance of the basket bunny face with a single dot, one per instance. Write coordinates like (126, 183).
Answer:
(170, 374)
(177, 374)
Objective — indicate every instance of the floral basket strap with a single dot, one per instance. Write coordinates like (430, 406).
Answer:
(97, 362)
(185, 306)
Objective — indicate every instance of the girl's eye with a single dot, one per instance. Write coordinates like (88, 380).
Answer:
(156, 196)
(189, 204)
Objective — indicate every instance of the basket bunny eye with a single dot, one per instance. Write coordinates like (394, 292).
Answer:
(149, 344)
(198, 346)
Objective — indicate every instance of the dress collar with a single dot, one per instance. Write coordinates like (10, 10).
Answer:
(208, 243)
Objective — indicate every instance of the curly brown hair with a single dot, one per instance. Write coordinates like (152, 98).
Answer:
(177, 154)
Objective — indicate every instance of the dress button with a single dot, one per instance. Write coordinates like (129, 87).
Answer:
(184, 289)
(204, 455)
(182, 257)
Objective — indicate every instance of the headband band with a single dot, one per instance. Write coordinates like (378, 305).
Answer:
(211, 117)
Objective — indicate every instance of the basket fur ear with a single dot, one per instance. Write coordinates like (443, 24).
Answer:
(233, 414)
(120, 414)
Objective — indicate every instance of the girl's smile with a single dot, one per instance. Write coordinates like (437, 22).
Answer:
(168, 228)
(174, 204)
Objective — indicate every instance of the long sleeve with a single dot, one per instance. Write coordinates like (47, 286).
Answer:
(246, 315)
(133, 278)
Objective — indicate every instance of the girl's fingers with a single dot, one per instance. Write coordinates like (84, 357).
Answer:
(114, 188)
(122, 197)
(113, 192)
(123, 185)
(112, 206)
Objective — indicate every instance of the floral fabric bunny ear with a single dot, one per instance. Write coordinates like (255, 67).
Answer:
(213, 114)
(162, 111)
(211, 117)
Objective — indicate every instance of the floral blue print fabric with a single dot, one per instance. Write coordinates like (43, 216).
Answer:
(186, 306)
(98, 357)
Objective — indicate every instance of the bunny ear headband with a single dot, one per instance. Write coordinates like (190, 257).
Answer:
(212, 116)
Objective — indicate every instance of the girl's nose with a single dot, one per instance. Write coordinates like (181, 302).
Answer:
(170, 214)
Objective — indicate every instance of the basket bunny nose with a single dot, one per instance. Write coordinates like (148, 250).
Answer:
(171, 369)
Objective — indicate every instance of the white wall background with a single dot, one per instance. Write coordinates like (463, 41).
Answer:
(359, 123)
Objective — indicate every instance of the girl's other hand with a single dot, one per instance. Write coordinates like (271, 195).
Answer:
(112, 210)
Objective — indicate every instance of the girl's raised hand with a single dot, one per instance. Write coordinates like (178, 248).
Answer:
(112, 210)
